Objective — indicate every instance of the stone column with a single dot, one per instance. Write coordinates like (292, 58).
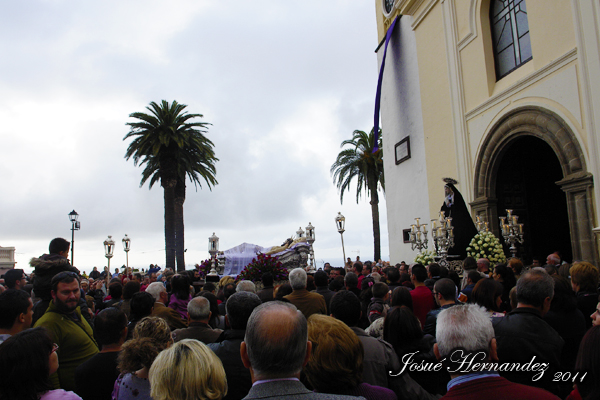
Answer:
(579, 189)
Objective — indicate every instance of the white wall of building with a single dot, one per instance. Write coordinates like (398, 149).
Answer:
(401, 116)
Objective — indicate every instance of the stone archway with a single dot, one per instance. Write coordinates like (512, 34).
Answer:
(577, 183)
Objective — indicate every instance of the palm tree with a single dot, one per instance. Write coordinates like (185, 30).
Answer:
(172, 148)
(366, 166)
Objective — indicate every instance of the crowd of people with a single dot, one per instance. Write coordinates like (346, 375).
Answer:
(365, 330)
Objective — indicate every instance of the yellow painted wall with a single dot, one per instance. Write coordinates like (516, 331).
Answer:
(435, 100)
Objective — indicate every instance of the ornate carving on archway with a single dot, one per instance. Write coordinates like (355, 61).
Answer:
(577, 183)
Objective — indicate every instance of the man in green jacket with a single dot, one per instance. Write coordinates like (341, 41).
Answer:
(70, 331)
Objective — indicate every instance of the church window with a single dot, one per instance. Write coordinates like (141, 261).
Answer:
(510, 35)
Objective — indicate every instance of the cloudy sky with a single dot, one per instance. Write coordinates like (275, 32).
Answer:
(283, 83)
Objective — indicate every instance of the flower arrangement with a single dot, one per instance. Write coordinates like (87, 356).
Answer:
(425, 257)
(260, 265)
(486, 245)
(204, 268)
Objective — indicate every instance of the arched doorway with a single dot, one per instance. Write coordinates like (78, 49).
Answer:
(576, 184)
(525, 183)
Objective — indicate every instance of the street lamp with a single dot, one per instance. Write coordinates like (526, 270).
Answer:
(109, 248)
(75, 225)
(127, 247)
(213, 249)
(340, 221)
(310, 238)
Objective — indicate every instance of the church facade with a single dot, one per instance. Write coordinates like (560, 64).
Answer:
(503, 96)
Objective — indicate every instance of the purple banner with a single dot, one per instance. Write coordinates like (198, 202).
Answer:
(388, 36)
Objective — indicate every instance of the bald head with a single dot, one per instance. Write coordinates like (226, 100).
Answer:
(276, 340)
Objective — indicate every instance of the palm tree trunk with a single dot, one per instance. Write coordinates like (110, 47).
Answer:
(169, 198)
(179, 228)
(375, 217)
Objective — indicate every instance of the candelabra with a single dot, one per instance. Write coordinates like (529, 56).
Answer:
(481, 226)
(310, 238)
(443, 237)
(512, 231)
(415, 236)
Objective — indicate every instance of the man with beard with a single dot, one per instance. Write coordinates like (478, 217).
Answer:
(69, 330)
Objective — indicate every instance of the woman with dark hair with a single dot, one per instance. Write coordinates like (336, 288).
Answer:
(503, 274)
(400, 297)
(567, 320)
(27, 360)
(129, 290)
(588, 362)
(402, 329)
(217, 321)
(180, 294)
(281, 291)
(488, 294)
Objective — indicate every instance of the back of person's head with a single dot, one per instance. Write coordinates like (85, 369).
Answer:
(401, 328)
(351, 280)
(336, 284)
(467, 327)
(564, 299)
(310, 283)
(367, 283)
(130, 289)
(380, 289)
(551, 269)
(507, 274)
(225, 280)
(419, 272)
(486, 293)
(239, 307)
(155, 289)
(321, 278)
(444, 273)
(13, 303)
(12, 276)
(358, 267)
(141, 305)
(588, 361)
(434, 269)
(585, 275)
(187, 370)
(228, 290)
(401, 297)
(516, 265)
(336, 362)
(469, 263)
(115, 290)
(150, 336)
(393, 275)
(25, 364)
(58, 245)
(267, 279)
(109, 325)
(446, 288)
(345, 306)
(198, 308)
(246, 286)
(63, 277)
(276, 340)
(209, 287)
(474, 276)
(281, 291)
(180, 286)
(297, 278)
(534, 287)
(214, 302)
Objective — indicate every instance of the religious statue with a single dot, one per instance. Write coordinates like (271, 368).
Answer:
(464, 229)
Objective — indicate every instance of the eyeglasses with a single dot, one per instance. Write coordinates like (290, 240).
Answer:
(54, 348)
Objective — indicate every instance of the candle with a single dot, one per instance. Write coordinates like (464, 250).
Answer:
(440, 232)
(433, 224)
(448, 223)
(509, 213)
(419, 235)
(502, 219)
(413, 228)
(521, 229)
(515, 219)
(487, 227)
(425, 229)
(442, 215)
(451, 232)
(478, 219)
(417, 219)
